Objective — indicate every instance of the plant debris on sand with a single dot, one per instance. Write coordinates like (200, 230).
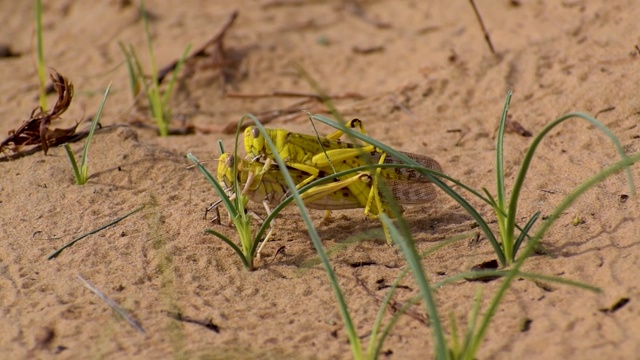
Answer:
(36, 130)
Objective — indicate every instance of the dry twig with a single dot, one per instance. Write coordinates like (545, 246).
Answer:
(484, 29)
(113, 305)
(355, 8)
(214, 48)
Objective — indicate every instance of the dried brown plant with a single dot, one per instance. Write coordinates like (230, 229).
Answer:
(36, 130)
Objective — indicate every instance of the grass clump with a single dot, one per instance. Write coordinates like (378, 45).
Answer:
(505, 243)
(239, 217)
(506, 211)
(81, 172)
(236, 208)
(158, 100)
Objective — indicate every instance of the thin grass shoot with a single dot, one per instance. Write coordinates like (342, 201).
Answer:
(40, 63)
(81, 172)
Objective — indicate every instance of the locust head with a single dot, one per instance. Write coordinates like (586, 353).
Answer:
(254, 143)
(225, 171)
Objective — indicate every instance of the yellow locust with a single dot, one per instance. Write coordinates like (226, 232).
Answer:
(265, 184)
(317, 156)
(308, 157)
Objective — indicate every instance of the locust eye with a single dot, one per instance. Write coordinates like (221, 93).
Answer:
(255, 132)
(230, 161)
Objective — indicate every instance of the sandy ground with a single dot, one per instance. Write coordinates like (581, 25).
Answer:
(422, 78)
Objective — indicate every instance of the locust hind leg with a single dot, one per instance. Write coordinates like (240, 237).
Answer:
(368, 195)
(352, 124)
(360, 186)
(313, 194)
(374, 194)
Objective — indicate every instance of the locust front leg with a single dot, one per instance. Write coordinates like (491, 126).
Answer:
(265, 203)
(364, 191)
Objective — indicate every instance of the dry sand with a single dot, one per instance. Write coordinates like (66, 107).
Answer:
(428, 84)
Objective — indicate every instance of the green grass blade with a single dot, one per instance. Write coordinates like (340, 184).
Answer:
(84, 174)
(241, 221)
(354, 340)
(245, 261)
(513, 202)
(147, 33)
(233, 213)
(500, 154)
(559, 280)
(471, 328)
(248, 243)
(387, 329)
(74, 164)
(626, 162)
(408, 304)
(447, 189)
(134, 84)
(505, 235)
(492, 200)
(153, 91)
(525, 232)
(137, 66)
(174, 75)
(158, 111)
(55, 254)
(501, 273)
(40, 64)
(494, 205)
(94, 124)
(466, 275)
(413, 259)
(454, 348)
(375, 345)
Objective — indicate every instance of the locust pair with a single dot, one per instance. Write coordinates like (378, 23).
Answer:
(310, 157)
